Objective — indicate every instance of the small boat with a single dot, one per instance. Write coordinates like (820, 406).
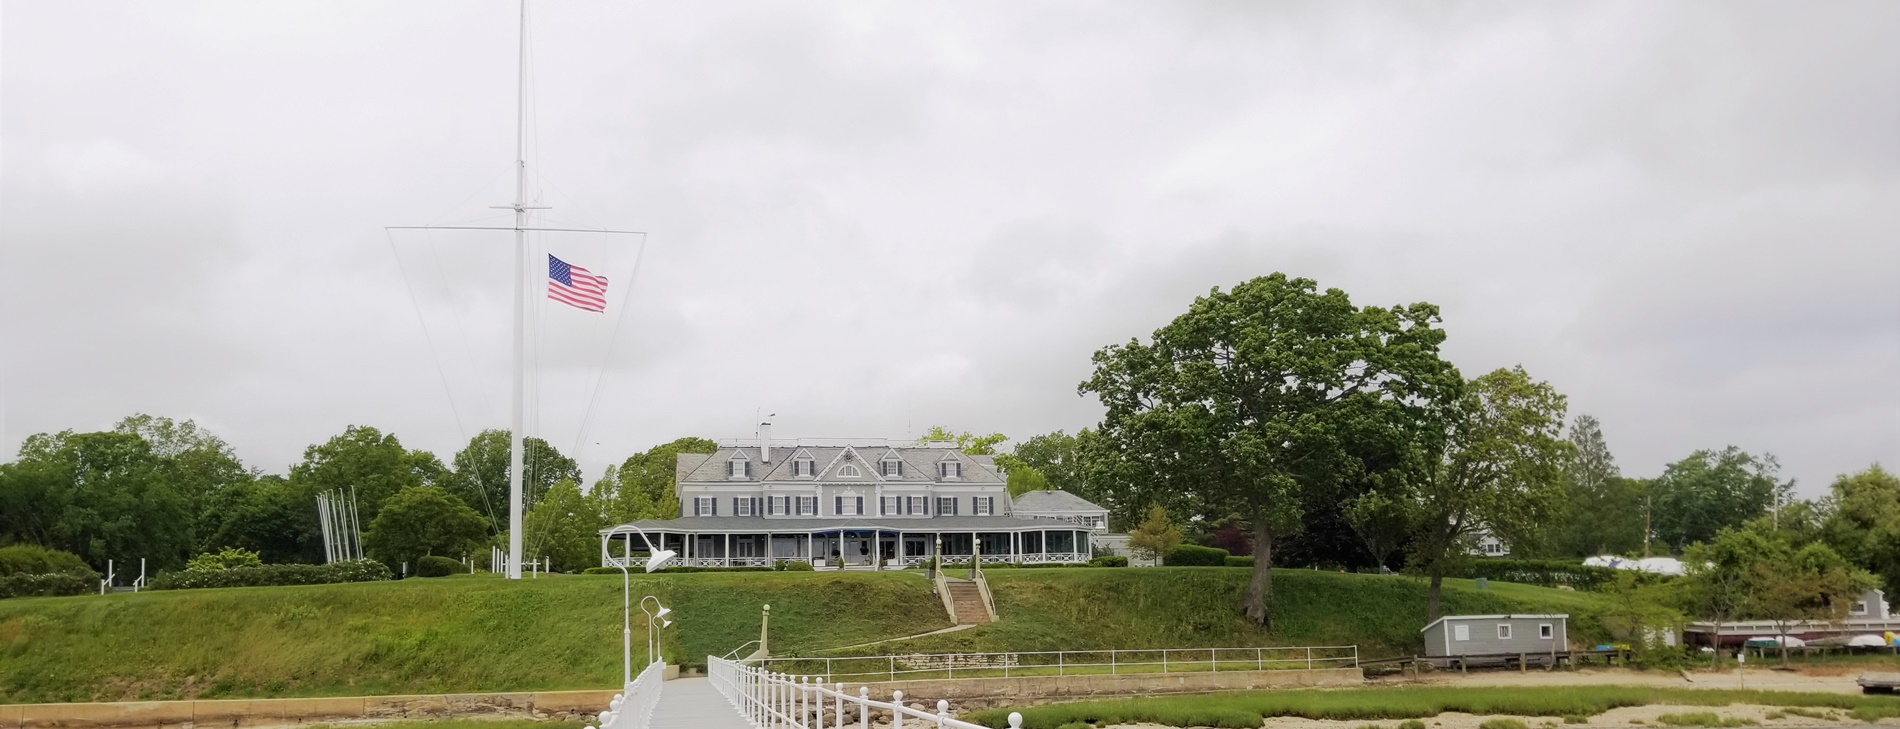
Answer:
(1776, 641)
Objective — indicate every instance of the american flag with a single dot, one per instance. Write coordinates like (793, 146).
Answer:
(574, 286)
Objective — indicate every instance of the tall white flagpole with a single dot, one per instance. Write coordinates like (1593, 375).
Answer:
(515, 433)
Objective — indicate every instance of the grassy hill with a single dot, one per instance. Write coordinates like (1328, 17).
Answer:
(482, 633)
(1198, 607)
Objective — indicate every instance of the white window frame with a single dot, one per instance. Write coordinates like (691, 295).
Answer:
(848, 471)
(1460, 631)
(919, 505)
(738, 468)
(805, 467)
(890, 467)
(776, 506)
(890, 506)
(1859, 608)
(705, 506)
(807, 508)
(1546, 631)
(950, 470)
(1504, 631)
(982, 505)
(846, 505)
(953, 505)
(742, 506)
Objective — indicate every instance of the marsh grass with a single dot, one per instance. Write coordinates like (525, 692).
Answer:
(1501, 724)
(1250, 708)
(1703, 719)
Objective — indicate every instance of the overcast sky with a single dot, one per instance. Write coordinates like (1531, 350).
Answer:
(873, 217)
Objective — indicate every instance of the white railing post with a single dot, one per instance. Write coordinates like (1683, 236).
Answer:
(838, 699)
(897, 713)
(864, 707)
(943, 712)
(1309, 659)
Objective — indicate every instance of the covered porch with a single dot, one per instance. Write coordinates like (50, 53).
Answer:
(844, 546)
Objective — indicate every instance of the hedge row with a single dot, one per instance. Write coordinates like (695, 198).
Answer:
(1194, 555)
(32, 559)
(433, 566)
(46, 585)
(1542, 572)
(361, 570)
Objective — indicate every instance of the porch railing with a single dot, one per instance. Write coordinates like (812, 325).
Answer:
(632, 708)
(777, 700)
(1065, 663)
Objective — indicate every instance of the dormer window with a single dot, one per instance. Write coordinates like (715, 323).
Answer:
(804, 468)
(890, 467)
(738, 468)
(950, 469)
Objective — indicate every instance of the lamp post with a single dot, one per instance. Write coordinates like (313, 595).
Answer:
(656, 559)
(653, 636)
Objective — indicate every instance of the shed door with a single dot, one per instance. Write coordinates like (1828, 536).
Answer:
(1461, 632)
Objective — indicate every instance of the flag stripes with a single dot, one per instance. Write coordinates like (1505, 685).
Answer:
(574, 286)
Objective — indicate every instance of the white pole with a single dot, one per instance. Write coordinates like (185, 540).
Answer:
(515, 433)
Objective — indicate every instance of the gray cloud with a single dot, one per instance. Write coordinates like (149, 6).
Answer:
(870, 219)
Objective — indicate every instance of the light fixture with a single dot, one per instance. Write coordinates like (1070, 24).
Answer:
(663, 611)
(664, 623)
(660, 559)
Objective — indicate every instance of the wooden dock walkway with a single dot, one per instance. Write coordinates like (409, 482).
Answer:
(693, 703)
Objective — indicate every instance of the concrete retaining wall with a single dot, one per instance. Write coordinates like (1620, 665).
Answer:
(983, 692)
(292, 712)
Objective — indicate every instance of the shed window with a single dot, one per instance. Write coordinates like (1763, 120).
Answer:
(1546, 632)
(1461, 632)
(1504, 631)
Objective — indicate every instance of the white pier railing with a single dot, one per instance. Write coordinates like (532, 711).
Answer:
(633, 707)
(777, 701)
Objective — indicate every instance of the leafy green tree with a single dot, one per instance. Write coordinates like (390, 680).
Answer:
(423, 520)
(1864, 525)
(1058, 457)
(645, 481)
(1498, 468)
(481, 473)
(1709, 491)
(564, 527)
(1024, 478)
(197, 463)
(1810, 584)
(1720, 574)
(267, 515)
(975, 445)
(1250, 401)
(1382, 520)
(367, 460)
(101, 496)
(223, 559)
(1156, 536)
(1602, 511)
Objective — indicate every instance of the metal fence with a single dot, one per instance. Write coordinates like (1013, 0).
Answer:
(1066, 663)
(632, 708)
(779, 701)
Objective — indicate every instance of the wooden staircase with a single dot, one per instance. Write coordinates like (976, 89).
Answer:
(966, 602)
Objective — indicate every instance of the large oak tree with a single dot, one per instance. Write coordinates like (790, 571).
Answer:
(1258, 398)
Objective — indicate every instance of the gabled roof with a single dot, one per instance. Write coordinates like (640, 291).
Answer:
(1053, 500)
(920, 464)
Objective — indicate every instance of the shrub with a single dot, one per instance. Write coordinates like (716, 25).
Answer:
(1541, 572)
(358, 570)
(1411, 724)
(433, 566)
(1576, 719)
(51, 585)
(1703, 718)
(1501, 724)
(601, 571)
(1238, 562)
(1110, 560)
(684, 569)
(223, 559)
(798, 567)
(32, 559)
(1192, 555)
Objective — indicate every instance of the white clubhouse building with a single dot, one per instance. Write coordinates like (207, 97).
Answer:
(854, 503)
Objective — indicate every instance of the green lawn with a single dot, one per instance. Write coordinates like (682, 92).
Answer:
(1249, 708)
(1198, 607)
(482, 633)
(460, 633)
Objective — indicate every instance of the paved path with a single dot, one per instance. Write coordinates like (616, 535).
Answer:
(693, 703)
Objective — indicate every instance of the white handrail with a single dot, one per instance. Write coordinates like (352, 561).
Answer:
(779, 701)
(1121, 661)
(633, 707)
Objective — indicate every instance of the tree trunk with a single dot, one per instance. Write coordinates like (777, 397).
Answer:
(1431, 595)
(1260, 590)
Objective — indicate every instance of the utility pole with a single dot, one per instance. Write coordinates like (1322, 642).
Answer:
(1649, 502)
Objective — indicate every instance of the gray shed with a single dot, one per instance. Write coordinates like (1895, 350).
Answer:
(1496, 635)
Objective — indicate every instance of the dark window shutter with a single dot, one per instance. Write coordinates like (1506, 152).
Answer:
(714, 503)
(837, 505)
(860, 505)
(748, 469)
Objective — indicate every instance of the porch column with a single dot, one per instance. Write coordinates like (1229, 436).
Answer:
(604, 538)
(728, 549)
(1016, 547)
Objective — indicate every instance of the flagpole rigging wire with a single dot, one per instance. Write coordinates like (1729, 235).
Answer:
(600, 373)
(433, 354)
